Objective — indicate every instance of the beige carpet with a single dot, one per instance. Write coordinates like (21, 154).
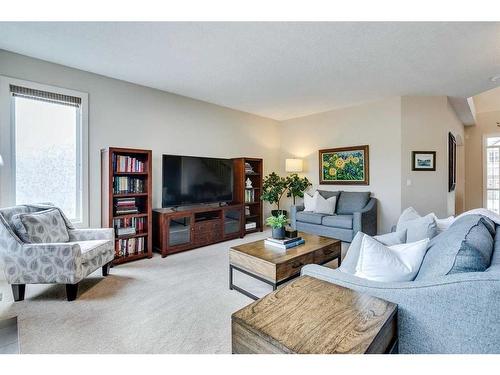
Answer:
(178, 304)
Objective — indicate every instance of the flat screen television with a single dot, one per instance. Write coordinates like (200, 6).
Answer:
(191, 180)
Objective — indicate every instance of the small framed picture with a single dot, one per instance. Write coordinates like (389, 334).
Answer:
(423, 161)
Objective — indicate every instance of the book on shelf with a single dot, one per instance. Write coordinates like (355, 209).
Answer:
(125, 231)
(130, 246)
(284, 241)
(128, 185)
(121, 202)
(250, 225)
(249, 195)
(122, 163)
(284, 246)
(126, 210)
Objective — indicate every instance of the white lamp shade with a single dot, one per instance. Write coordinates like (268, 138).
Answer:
(293, 165)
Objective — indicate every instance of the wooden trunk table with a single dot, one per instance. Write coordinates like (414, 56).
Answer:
(274, 266)
(311, 316)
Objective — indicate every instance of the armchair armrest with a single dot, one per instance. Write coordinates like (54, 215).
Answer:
(456, 313)
(44, 263)
(366, 220)
(293, 214)
(91, 234)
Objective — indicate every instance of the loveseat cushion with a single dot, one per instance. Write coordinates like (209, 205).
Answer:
(352, 201)
(338, 221)
(309, 217)
(466, 246)
(47, 226)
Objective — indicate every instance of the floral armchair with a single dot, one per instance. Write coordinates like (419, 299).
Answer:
(45, 263)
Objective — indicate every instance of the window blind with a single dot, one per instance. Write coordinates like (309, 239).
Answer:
(45, 96)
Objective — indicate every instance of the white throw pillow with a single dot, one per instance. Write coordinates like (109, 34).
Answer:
(390, 264)
(325, 206)
(310, 202)
(443, 224)
(408, 214)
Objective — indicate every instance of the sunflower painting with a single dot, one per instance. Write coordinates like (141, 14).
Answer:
(344, 165)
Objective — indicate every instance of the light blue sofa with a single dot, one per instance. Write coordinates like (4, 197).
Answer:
(354, 212)
(440, 312)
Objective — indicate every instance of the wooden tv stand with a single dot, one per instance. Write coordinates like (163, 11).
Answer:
(188, 228)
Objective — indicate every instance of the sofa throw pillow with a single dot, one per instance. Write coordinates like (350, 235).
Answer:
(352, 201)
(46, 226)
(392, 238)
(443, 224)
(418, 229)
(325, 206)
(310, 201)
(351, 258)
(408, 214)
(466, 246)
(396, 263)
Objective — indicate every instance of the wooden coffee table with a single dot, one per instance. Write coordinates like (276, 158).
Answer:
(275, 266)
(311, 316)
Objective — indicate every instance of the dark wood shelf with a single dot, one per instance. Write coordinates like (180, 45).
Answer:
(253, 230)
(130, 173)
(125, 237)
(144, 202)
(128, 216)
(128, 258)
(240, 176)
(125, 195)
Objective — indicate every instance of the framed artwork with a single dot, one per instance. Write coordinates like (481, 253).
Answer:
(344, 166)
(423, 161)
(452, 162)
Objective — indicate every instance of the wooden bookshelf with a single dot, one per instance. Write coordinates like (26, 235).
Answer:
(240, 176)
(143, 198)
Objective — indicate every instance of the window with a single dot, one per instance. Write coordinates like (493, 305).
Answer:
(492, 185)
(48, 149)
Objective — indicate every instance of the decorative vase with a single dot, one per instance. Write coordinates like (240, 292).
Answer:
(279, 233)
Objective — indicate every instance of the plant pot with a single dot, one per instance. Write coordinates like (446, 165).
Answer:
(279, 233)
(278, 212)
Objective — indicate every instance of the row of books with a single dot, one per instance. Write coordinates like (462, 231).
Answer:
(123, 163)
(129, 226)
(125, 184)
(249, 195)
(285, 244)
(130, 246)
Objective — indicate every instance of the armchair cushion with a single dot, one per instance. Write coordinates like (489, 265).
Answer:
(47, 226)
(352, 201)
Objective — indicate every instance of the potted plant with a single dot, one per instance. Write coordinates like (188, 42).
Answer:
(297, 186)
(277, 223)
(273, 189)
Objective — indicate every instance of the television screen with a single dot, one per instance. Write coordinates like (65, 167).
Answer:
(191, 180)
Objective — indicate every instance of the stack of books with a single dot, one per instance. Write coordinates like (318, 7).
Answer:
(125, 206)
(287, 243)
(127, 224)
(124, 185)
(130, 246)
(123, 163)
(249, 196)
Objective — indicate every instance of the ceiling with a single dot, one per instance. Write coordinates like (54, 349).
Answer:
(276, 69)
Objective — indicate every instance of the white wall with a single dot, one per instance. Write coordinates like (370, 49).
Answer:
(425, 123)
(127, 115)
(377, 124)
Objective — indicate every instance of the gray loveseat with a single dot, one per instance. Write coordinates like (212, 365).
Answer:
(355, 211)
(440, 311)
